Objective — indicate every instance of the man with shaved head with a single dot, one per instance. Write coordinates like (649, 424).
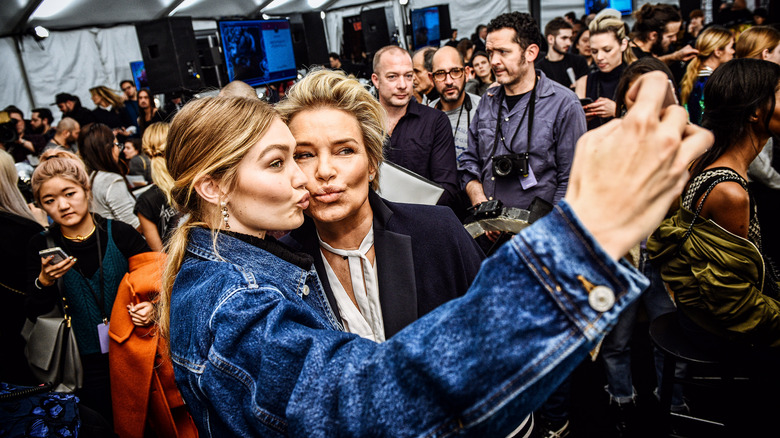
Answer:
(66, 136)
(238, 89)
(449, 77)
(420, 137)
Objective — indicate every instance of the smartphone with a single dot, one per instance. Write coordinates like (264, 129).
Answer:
(59, 254)
(671, 96)
(586, 101)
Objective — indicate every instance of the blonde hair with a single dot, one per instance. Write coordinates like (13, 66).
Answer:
(108, 95)
(153, 142)
(609, 21)
(58, 163)
(333, 89)
(207, 138)
(711, 39)
(11, 199)
(752, 42)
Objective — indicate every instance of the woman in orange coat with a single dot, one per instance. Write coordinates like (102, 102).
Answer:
(143, 389)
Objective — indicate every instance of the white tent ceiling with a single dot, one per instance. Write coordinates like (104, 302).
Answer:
(18, 15)
(93, 41)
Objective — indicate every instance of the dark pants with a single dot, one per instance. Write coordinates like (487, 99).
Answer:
(96, 392)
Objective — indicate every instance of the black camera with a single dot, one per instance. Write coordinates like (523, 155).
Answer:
(487, 209)
(510, 165)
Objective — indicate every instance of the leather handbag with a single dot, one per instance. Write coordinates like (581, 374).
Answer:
(51, 350)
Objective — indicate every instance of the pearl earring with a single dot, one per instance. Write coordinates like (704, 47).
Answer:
(370, 177)
(225, 214)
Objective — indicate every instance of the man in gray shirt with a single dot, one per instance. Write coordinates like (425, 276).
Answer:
(449, 77)
(523, 134)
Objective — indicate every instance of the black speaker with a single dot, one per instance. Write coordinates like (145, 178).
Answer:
(316, 43)
(309, 43)
(352, 45)
(375, 29)
(445, 26)
(211, 60)
(170, 55)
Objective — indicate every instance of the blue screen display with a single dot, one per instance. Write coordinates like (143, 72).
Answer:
(258, 51)
(139, 74)
(425, 27)
(594, 6)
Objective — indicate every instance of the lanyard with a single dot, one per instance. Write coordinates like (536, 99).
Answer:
(99, 299)
(528, 109)
(467, 104)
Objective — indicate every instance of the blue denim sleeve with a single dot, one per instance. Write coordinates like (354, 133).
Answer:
(475, 366)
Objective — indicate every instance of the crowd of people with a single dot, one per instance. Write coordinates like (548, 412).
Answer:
(231, 270)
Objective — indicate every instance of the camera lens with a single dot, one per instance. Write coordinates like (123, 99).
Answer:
(502, 166)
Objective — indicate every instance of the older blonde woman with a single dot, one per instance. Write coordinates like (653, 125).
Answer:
(382, 264)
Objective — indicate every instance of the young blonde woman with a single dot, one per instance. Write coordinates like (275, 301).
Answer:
(759, 42)
(257, 349)
(609, 50)
(716, 47)
(98, 250)
(153, 207)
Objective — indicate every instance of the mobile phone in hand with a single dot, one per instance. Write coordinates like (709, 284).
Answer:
(57, 252)
(671, 96)
(586, 101)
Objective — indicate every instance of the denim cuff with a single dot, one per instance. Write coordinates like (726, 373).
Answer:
(573, 266)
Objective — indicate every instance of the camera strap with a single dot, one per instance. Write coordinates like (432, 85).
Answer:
(529, 109)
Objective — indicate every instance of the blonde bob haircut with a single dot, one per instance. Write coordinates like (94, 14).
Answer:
(610, 21)
(208, 137)
(333, 89)
(58, 163)
(753, 41)
(153, 142)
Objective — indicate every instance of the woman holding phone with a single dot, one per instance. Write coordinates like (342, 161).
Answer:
(608, 45)
(258, 350)
(97, 251)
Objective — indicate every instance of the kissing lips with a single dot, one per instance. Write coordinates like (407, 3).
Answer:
(328, 194)
(304, 202)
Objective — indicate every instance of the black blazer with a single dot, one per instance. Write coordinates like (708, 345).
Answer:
(425, 258)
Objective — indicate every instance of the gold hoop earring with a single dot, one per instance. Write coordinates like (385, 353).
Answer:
(225, 214)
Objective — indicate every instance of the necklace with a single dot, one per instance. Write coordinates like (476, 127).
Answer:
(81, 238)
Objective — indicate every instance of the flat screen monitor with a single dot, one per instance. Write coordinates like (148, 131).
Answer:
(139, 74)
(626, 7)
(425, 27)
(258, 52)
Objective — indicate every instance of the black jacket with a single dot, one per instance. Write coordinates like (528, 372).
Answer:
(425, 258)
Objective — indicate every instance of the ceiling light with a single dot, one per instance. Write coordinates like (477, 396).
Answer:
(41, 32)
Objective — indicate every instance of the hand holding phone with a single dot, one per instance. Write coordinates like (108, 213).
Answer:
(54, 264)
(586, 101)
(57, 252)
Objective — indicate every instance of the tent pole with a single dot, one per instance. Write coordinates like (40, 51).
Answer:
(165, 12)
(18, 41)
(260, 8)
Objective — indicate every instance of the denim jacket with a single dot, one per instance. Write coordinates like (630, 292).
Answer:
(258, 352)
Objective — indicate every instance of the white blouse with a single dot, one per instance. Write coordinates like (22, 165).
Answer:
(364, 320)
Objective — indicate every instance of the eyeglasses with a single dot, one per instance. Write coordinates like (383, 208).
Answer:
(117, 145)
(455, 73)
